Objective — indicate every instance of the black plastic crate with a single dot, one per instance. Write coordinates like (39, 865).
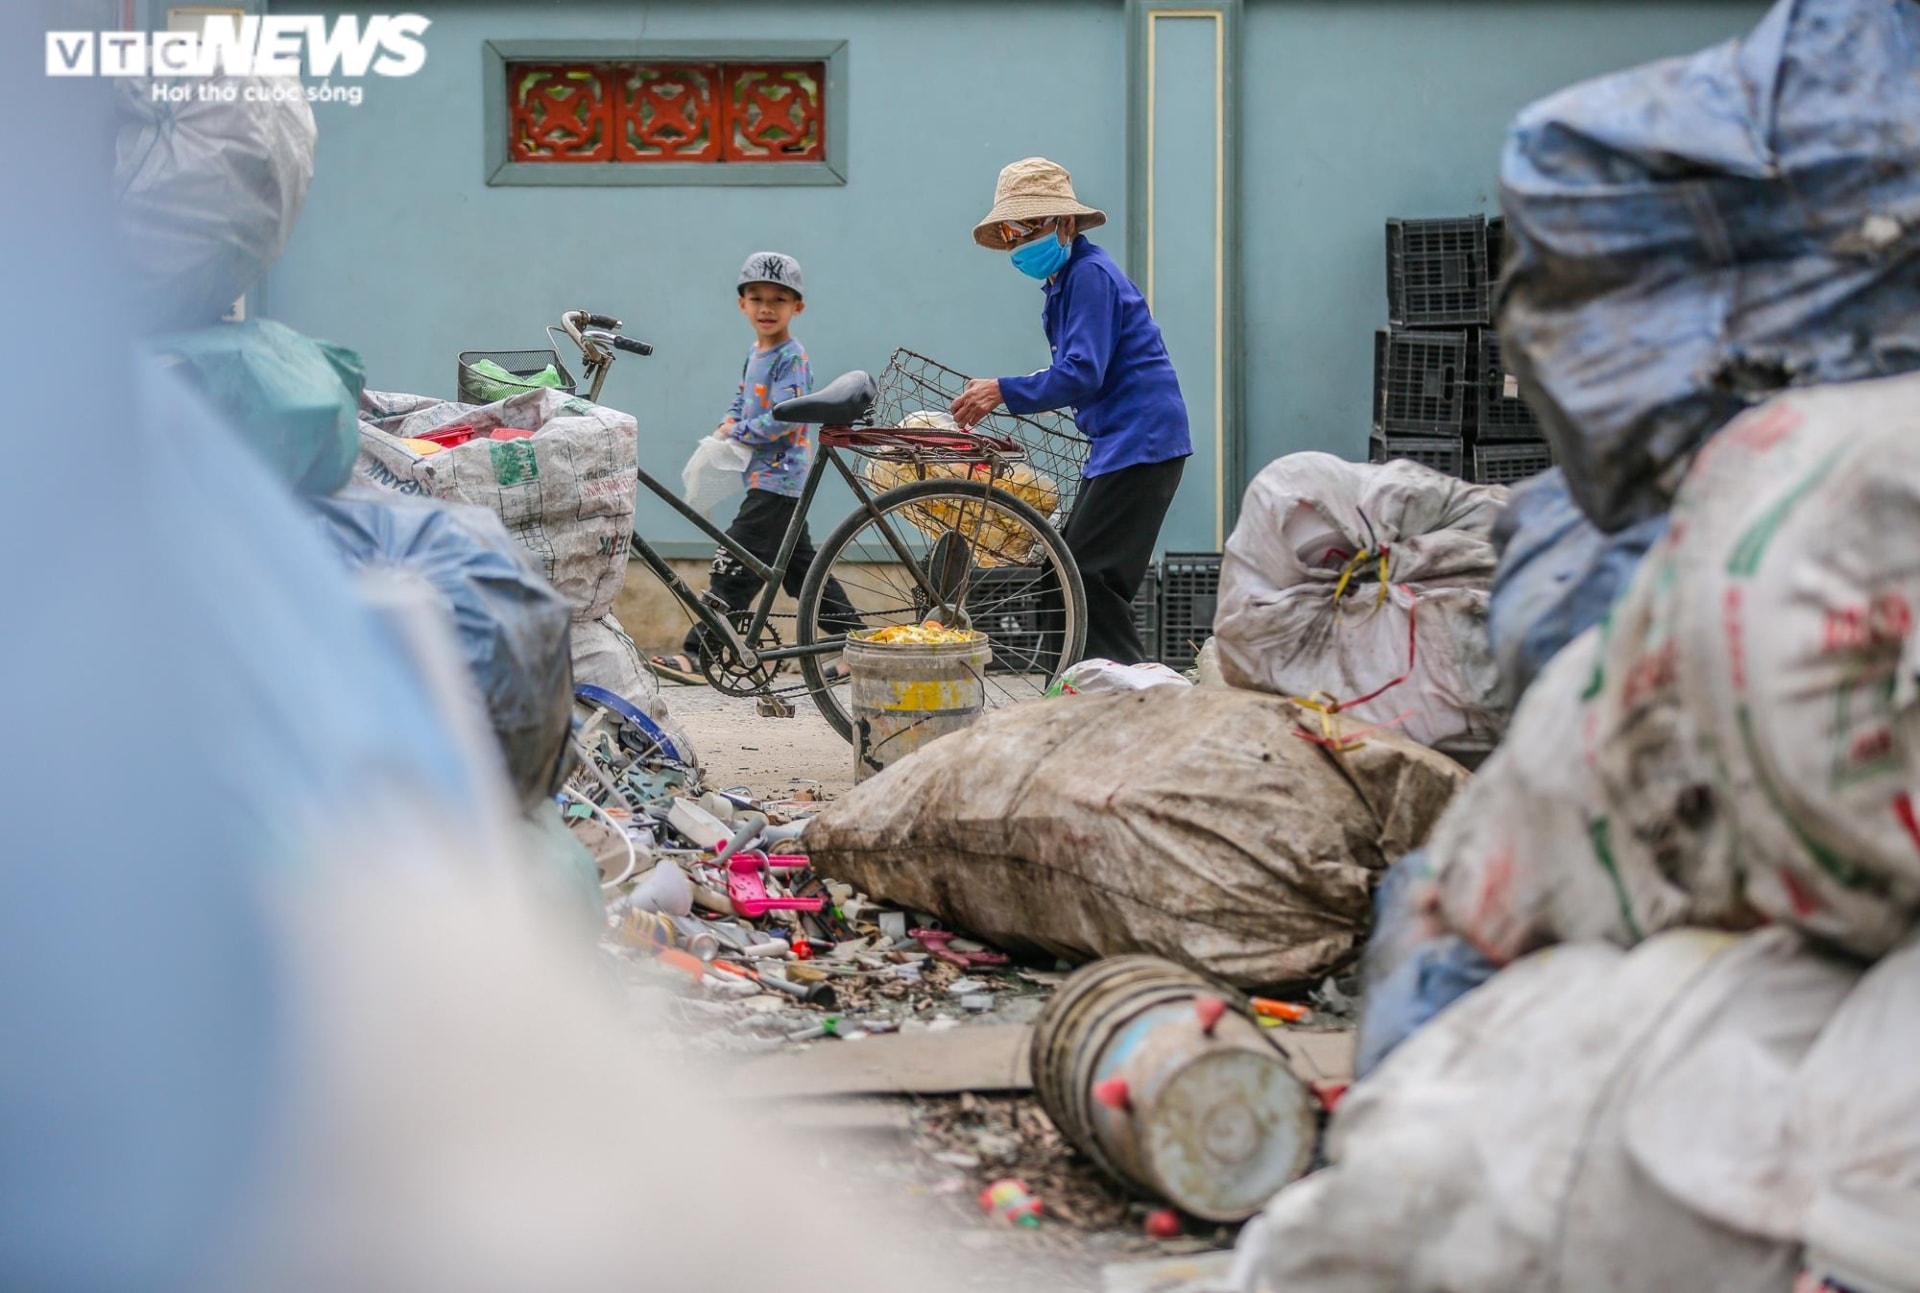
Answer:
(1146, 613)
(1447, 456)
(1019, 609)
(1437, 271)
(1419, 382)
(1499, 412)
(1507, 464)
(1189, 595)
(1496, 255)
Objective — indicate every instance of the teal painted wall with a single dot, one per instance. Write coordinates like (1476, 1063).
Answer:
(406, 255)
(1354, 111)
(1357, 112)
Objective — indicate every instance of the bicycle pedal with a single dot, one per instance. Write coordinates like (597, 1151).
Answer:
(774, 707)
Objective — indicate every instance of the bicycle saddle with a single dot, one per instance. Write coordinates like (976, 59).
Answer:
(843, 400)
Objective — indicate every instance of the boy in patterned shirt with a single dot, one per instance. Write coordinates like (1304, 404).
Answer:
(770, 292)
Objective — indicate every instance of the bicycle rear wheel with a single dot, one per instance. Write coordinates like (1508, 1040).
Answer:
(971, 557)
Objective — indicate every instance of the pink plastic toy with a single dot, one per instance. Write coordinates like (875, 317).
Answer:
(747, 885)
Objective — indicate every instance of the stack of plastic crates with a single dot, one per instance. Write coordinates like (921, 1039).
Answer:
(912, 384)
(1189, 595)
(1441, 396)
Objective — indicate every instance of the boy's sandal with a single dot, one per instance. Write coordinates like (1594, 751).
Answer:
(678, 668)
(835, 672)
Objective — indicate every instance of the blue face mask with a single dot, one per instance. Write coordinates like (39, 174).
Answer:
(1042, 258)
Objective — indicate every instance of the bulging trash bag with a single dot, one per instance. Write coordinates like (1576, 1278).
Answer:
(295, 400)
(558, 470)
(511, 623)
(1558, 574)
(714, 473)
(1688, 237)
(209, 191)
(1367, 585)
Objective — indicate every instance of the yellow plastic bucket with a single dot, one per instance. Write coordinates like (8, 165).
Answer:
(904, 695)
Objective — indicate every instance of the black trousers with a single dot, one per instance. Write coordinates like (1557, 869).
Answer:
(759, 527)
(1112, 532)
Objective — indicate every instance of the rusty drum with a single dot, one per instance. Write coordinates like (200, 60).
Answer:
(1163, 1079)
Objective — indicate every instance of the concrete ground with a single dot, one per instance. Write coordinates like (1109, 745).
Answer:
(775, 758)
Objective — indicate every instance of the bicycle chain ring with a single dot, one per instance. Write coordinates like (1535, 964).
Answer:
(724, 671)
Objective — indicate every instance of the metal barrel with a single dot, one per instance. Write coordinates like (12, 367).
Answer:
(904, 695)
(1195, 1107)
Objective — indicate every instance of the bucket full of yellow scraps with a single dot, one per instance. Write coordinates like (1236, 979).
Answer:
(910, 684)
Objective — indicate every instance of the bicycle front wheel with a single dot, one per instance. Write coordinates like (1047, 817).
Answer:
(969, 556)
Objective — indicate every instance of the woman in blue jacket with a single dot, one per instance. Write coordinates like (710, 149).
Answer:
(1110, 369)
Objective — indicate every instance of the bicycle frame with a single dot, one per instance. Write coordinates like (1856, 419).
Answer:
(773, 576)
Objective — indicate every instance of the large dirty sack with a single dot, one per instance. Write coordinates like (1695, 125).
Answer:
(511, 625)
(1738, 741)
(294, 400)
(1686, 237)
(1190, 823)
(209, 191)
(565, 492)
(1367, 585)
(1558, 576)
(1653, 1158)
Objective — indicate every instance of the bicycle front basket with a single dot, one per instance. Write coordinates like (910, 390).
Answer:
(524, 370)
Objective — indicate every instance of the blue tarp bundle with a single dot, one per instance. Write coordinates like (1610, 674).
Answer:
(294, 400)
(513, 627)
(1558, 576)
(1689, 236)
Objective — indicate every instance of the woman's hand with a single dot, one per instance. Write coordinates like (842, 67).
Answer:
(981, 397)
(724, 431)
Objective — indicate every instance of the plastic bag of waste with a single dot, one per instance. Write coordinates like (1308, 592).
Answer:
(294, 399)
(1219, 828)
(209, 189)
(714, 474)
(1097, 677)
(1558, 576)
(1495, 1178)
(1366, 585)
(512, 624)
(488, 381)
(1688, 237)
(565, 492)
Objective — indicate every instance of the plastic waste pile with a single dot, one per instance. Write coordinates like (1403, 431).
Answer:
(713, 892)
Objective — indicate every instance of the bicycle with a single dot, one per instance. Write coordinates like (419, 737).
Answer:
(943, 539)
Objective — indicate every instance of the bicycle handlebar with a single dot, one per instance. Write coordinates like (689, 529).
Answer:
(601, 321)
(630, 345)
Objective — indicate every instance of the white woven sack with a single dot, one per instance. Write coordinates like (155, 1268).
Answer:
(566, 492)
(1342, 578)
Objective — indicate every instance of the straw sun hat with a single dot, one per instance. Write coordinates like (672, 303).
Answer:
(1033, 189)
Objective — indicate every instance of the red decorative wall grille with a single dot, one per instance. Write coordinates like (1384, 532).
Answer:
(666, 112)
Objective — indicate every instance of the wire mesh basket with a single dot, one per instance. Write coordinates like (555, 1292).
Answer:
(1055, 449)
(523, 368)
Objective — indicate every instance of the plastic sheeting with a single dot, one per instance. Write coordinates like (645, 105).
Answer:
(1557, 577)
(209, 191)
(512, 625)
(295, 400)
(1687, 237)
